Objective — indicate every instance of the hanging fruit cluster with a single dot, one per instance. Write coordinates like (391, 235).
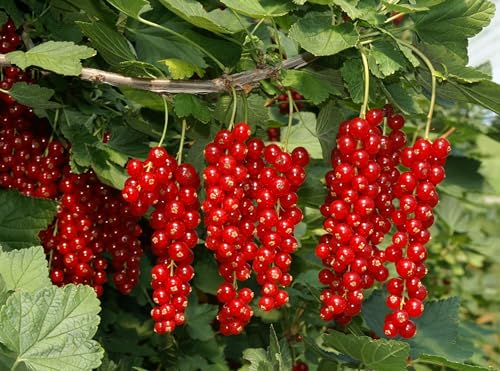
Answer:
(171, 189)
(91, 221)
(250, 216)
(367, 195)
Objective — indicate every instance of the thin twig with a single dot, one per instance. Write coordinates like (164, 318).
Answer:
(166, 86)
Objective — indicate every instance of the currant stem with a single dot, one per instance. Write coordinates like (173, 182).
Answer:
(164, 133)
(448, 132)
(181, 144)
(291, 104)
(235, 106)
(429, 65)
(394, 17)
(366, 80)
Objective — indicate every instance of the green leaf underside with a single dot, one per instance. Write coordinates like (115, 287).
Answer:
(180, 69)
(21, 218)
(380, 354)
(33, 95)
(56, 328)
(61, 57)
(110, 44)
(24, 269)
(385, 59)
(303, 134)
(315, 87)
(218, 21)
(316, 34)
(259, 9)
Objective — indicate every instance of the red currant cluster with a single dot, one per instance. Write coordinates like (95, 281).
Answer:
(229, 220)
(172, 191)
(415, 191)
(284, 104)
(9, 39)
(364, 187)
(354, 223)
(250, 190)
(29, 162)
(274, 188)
(92, 220)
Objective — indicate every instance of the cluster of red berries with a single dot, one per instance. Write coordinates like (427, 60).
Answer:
(9, 39)
(354, 223)
(274, 187)
(171, 189)
(92, 220)
(284, 104)
(230, 223)
(250, 192)
(364, 187)
(416, 195)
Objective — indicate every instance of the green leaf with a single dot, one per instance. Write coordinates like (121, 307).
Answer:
(453, 213)
(198, 319)
(13, 11)
(52, 328)
(385, 59)
(144, 98)
(316, 34)
(24, 269)
(180, 69)
(315, 87)
(33, 95)
(465, 75)
(62, 57)
(140, 69)
(437, 329)
(379, 355)
(207, 277)
(251, 109)
(484, 93)
(112, 46)
(132, 8)
(21, 218)
(258, 359)
(443, 362)
(278, 352)
(3, 18)
(129, 142)
(153, 45)
(259, 9)
(329, 120)
(352, 73)
(303, 134)
(364, 9)
(186, 105)
(401, 96)
(452, 26)
(312, 193)
(218, 21)
(88, 150)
